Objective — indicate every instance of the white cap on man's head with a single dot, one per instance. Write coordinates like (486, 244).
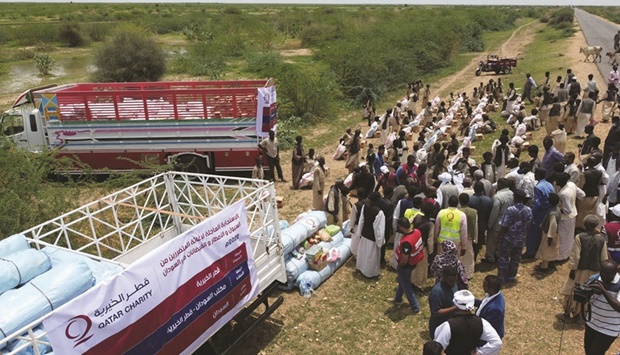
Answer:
(464, 300)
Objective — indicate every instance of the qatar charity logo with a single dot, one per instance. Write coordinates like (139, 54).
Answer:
(78, 328)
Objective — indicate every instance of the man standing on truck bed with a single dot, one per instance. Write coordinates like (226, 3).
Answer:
(272, 150)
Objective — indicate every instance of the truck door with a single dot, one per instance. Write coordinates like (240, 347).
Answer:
(13, 127)
(35, 131)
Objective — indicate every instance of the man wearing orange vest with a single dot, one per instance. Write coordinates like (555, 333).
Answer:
(451, 224)
(409, 252)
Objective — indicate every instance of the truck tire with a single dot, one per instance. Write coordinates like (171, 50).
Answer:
(478, 71)
(507, 70)
(191, 164)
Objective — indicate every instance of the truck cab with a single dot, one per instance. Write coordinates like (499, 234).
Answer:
(24, 127)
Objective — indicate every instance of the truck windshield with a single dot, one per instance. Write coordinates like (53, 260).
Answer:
(12, 124)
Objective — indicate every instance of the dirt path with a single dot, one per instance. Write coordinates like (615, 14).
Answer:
(511, 48)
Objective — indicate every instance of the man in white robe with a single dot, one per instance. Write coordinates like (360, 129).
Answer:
(568, 193)
(602, 189)
(571, 168)
(371, 228)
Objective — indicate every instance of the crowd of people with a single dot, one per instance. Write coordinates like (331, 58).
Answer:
(439, 206)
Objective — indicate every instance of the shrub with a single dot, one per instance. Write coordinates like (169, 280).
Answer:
(263, 64)
(562, 18)
(70, 34)
(26, 198)
(201, 59)
(197, 33)
(130, 55)
(288, 129)
(97, 32)
(306, 90)
(44, 63)
(231, 10)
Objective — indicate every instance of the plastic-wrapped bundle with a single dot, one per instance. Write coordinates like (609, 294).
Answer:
(372, 130)
(43, 294)
(295, 267)
(29, 349)
(21, 267)
(309, 280)
(339, 151)
(283, 225)
(13, 244)
(346, 230)
(101, 270)
(303, 228)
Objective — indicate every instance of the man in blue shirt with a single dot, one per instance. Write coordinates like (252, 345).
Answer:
(540, 207)
(511, 237)
(379, 162)
(441, 298)
(551, 157)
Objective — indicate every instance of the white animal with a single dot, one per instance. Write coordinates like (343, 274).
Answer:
(592, 50)
(613, 58)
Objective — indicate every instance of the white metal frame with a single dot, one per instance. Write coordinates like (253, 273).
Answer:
(127, 224)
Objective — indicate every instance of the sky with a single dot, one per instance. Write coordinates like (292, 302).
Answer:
(366, 2)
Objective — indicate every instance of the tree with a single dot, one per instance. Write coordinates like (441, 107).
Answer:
(131, 54)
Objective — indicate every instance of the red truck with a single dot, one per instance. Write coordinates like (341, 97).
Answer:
(496, 64)
(202, 127)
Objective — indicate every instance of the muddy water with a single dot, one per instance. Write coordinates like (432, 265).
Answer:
(23, 76)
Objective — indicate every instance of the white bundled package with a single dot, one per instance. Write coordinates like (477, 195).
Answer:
(20, 267)
(43, 294)
(101, 270)
(303, 228)
(309, 280)
(13, 244)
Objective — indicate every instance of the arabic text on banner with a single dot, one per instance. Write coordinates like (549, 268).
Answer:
(169, 301)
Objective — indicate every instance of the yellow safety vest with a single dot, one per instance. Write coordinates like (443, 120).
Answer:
(450, 219)
(410, 214)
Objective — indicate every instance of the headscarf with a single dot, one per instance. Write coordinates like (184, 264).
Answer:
(445, 178)
(449, 257)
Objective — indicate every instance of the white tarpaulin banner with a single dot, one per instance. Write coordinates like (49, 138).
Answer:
(266, 108)
(169, 301)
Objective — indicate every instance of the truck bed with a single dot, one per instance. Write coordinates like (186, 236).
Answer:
(124, 226)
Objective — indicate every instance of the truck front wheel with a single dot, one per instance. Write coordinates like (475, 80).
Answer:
(191, 164)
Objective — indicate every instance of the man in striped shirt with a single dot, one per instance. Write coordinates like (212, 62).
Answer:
(604, 326)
